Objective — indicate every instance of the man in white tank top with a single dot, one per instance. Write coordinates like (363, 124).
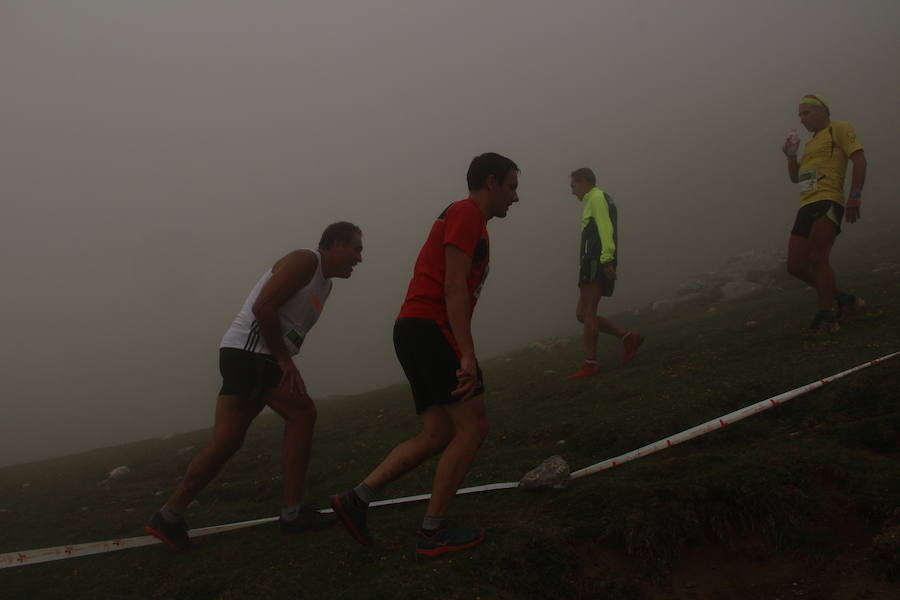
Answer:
(255, 359)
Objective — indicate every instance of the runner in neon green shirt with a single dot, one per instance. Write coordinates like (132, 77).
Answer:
(597, 275)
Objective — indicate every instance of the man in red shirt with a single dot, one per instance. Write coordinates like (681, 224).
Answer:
(433, 341)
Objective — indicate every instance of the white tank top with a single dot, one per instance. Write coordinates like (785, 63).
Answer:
(298, 315)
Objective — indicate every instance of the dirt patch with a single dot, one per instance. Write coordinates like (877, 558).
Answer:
(748, 567)
(721, 571)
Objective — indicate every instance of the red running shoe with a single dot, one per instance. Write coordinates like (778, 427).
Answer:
(631, 343)
(431, 544)
(587, 369)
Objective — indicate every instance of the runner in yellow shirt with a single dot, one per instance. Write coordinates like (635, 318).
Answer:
(820, 173)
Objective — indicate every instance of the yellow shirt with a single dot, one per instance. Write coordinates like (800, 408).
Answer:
(824, 163)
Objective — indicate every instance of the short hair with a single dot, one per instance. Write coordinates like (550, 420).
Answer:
(584, 174)
(342, 231)
(485, 165)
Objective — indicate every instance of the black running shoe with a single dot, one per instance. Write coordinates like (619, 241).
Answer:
(309, 520)
(175, 535)
(430, 544)
(352, 513)
(823, 324)
(847, 306)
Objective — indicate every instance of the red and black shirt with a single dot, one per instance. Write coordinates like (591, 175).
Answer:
(463, 225)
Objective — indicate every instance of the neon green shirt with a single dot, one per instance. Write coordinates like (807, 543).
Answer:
(600, 212)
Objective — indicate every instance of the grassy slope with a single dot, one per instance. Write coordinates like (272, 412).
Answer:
(774, 478)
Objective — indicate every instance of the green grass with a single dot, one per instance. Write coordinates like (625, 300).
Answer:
(770, 484)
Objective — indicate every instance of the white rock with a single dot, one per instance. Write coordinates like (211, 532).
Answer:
(553, 472)
(549, 344)
(667, 303)
(119, 472)
(738, 289)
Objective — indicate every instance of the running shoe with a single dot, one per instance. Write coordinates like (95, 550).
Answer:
(586, 370)
(431, 544)
(174, 535)
(352, 513)
(823, 324)
(309, 520)
(631, 343)
(847, 306)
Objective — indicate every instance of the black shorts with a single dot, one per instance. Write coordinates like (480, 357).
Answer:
(591, 271)
(247, 374)
(429, 356)
(810, 213)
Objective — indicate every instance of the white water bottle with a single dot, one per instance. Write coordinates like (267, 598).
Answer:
(793, 142)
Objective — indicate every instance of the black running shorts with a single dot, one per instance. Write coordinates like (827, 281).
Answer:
(247, 374)
(592, 272)
(810, 213)
(429, 356)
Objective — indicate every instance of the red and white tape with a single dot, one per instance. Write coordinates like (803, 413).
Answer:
(29, 557)
(720, 422)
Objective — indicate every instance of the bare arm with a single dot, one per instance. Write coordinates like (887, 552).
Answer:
(793, 166)
(793, 169)
(857, 180)
(289, 275)
(459, 312)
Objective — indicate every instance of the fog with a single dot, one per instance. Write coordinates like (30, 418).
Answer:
(157, 157)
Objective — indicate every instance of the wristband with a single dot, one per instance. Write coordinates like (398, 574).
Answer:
(856, 194)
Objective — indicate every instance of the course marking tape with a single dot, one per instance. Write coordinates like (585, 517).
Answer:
(29, 557)
(723, 421)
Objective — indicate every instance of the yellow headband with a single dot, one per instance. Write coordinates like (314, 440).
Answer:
(815, 100)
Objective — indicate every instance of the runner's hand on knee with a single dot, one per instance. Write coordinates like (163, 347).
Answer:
(291, 381)
(466, 377)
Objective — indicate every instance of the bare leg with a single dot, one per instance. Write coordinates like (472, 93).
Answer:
(233, 417)
(299, 414)
(607, 326)
(808, 260)
(821, 241)
(586, 313)
(470, 425)
(594, 324)
(798, 260)
(437, 431)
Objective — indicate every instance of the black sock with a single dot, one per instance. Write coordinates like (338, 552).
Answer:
(431, 524)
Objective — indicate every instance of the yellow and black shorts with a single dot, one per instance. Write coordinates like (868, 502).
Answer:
(812, 212)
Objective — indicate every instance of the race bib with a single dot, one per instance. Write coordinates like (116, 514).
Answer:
(807, 180)
(293, 340)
